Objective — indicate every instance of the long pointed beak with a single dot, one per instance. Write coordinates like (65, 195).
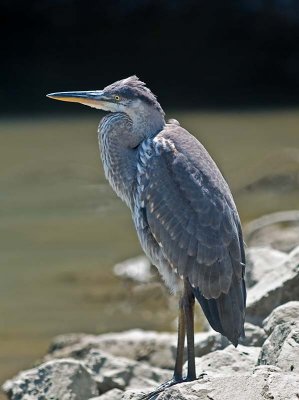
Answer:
(94, 98)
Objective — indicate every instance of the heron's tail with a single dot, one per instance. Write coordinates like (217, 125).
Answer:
(226, 314)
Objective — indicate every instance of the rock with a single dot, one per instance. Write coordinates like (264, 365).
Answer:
(254, 335)
(228, 361)
(98, 370)
(157, 349)
(279, 285)
(67, 340)
(206, 342)
(279, 230)
(265, 382)
(282, 347)
(64, 379)
(288, 312)
(113, 394)
(125, 365)
(137, 269)
(260, 261)
(117, 372)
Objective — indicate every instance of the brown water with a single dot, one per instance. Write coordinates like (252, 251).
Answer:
(62, 228)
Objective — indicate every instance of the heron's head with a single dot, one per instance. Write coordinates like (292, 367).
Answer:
(128, 95)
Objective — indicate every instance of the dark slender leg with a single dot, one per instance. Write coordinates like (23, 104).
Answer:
(186, 325)
(178, 368)
(188, 304)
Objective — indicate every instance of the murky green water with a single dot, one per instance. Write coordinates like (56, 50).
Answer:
(62, 228)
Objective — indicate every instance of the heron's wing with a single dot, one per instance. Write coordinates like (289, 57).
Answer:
(190, 212)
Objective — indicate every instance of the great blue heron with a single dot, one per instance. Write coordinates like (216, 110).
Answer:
(182, 208)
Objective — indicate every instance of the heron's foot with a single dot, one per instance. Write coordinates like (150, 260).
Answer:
(152, 395)
(174, 381)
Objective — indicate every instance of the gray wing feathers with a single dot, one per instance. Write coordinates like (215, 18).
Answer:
(195, 222)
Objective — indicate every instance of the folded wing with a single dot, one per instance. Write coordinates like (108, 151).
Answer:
(191, 214)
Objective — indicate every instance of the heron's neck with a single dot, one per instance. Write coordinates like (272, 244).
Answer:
(118, 154)
(119, 136)
(146, 120)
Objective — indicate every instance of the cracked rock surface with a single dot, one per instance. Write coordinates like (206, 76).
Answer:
(276, 286)
(282, 347)
(263, 383)
(64, 379)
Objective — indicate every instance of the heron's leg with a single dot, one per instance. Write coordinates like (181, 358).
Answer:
(178, 368)
(188, 304)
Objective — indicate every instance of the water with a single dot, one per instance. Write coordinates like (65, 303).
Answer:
(62, 228)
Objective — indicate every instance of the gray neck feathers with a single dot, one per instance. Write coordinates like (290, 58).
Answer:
(146, 120)
(118, 159)
(119, 136)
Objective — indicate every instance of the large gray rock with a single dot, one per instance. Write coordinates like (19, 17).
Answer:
(67, 340)
(207, 342)
(157, 349)
(279, 230)
(94, 372)
(117, 372)
(64, 379)
(260, 261)
(264, 383)
(113, 394)
(229, 361)
(288, 312)
(254, 335)
(282, 348)
(279, 285)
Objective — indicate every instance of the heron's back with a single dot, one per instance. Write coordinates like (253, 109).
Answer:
(188, 225)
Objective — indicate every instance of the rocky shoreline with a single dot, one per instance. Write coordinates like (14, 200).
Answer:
(129, 364)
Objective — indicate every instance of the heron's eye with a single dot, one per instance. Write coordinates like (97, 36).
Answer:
(116, 97)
